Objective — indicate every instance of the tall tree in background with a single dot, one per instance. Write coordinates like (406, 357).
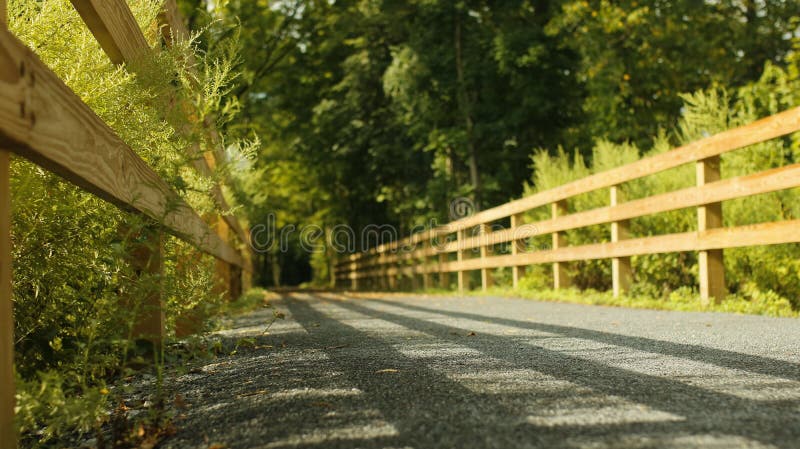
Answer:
(384, 111)
(637, 56)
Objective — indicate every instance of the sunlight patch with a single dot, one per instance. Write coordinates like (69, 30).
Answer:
(378, 429)
(626, 414)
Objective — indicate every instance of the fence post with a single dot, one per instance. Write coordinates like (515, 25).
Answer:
(427, 282)
(444, 276)
(146, 259)
(621, 273)
(560, 276)
(8, 437)
(710, 262)
(353, 272)
(517, 272)
(486, 275)
(247, 272)
(463, 276)
(222, 272)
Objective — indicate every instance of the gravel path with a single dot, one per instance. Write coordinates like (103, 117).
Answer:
(428, 372)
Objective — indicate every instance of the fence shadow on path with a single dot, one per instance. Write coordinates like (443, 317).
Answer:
(705, 412)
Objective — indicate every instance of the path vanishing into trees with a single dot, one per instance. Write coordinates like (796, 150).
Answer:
(412, 371)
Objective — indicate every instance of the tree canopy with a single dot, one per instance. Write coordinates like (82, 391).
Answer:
(384, 111)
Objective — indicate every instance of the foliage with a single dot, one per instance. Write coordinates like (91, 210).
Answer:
(754, 302)
(76, 292)
(383, 112)
(637, 56)
(771, 269)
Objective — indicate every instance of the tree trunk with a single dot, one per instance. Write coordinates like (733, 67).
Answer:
(466, 111)
(276, 269)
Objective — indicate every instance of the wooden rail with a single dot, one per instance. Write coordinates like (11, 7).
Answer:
(42, 120)
(412, 256)
(113, 25)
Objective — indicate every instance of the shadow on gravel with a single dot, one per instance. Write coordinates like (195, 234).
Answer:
(428, 409)
(719, 357)
(705, 413)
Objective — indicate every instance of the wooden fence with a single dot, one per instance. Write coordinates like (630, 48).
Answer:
(42, 120)
(436, 252)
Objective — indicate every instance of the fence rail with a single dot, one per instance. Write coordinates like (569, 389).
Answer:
(436, 252)
(42, 120)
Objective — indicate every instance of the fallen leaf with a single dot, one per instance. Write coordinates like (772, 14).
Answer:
(387, 370)
(180, 402)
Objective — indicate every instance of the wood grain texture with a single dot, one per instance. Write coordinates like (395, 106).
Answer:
(172, 26)
(560, 275)
(149, 322)
(174, 29)
(8, 438)
(719, 238)
(709, 216)
(486, 275)
(621, 270)
(773, 233)
(461, 257)
(759, 131)
(114, 27)
(762, 130)
(42, 120)
(772, 180)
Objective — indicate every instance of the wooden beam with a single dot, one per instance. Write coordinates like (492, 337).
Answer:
(762, 130)
(517, 246)
(172, 29)
(444, 276)
(463, 276)
(709, 216)
(720, 238)
(560, 275)
(486, 275)
(172, 26)
(146, 258)
(222, 269)
(621, 272)
(42, 120)
(771, 127)
(767, 181)
(8, 437)
(114, 27)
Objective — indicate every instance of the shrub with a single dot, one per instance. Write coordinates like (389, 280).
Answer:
(772, 270)
(73, 287)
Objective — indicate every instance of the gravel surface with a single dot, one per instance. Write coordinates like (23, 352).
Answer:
(425, 372)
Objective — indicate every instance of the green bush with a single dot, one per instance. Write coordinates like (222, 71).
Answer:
(75, 292)
(772, 270)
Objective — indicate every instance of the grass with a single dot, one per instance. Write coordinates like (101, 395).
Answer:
(747, 301)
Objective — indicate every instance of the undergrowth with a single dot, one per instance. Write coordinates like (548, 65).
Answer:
(76, 290)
